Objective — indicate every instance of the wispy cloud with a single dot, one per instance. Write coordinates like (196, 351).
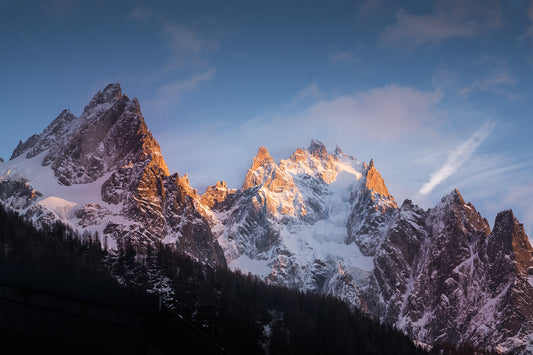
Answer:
(190, 43)
(458, 157)
(311, 91)
(187, 64)
(485, 74)
(140, 12)
(369, 8)
(497, 82)
(449, 19)
(343, 57)
(172, 94)
(186, 38)
(529, 32)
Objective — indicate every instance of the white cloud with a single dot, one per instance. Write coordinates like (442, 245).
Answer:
(383, 114)
(449, 19)
(457, 158)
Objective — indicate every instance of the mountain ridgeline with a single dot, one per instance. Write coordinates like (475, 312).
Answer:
(316, 222)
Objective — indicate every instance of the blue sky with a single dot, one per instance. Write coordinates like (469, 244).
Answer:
(438, 93)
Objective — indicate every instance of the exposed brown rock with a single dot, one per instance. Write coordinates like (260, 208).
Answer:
(374, 181)
(216, 194)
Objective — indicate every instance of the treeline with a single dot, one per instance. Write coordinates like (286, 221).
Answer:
(238, 312)
(245, 316)
(54, 248)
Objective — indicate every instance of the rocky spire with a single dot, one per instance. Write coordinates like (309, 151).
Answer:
(374, 181)
(510, 238)
(111, 94)
(338, 151)
(216, 194)
(317, 149)
(262, 158)
(262, 166)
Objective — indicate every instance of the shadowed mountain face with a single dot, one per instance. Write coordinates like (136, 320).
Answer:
(443, 276)
(317, 221)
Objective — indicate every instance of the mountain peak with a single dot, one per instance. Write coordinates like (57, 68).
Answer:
(262, 166)
(454, 196)
(509, 235)
(262, 158)
(111, 94)
(317, 149)
(111, 91)
(339, 151)
(38, 143)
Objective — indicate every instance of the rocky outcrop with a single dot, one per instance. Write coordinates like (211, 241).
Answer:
(372, 212)
(216, 194)
(17, 194)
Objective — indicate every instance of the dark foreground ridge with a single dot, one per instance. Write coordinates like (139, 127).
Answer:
(47, 313)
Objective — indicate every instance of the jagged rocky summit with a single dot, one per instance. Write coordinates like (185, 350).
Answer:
(104, 172)
(317, 221)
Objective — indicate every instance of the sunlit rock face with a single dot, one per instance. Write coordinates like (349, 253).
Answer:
(216, 194)
(372, 211)
(106, 173)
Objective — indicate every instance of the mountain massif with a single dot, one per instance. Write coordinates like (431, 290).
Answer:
(317, 221)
